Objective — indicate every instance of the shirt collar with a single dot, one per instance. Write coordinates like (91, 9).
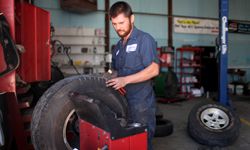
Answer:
(134, 33)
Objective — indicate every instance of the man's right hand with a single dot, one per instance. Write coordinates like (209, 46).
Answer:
(110, 74)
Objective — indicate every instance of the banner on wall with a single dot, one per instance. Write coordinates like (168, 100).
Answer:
(196, 26)
(237, 27)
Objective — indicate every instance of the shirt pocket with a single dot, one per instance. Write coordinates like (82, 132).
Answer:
(133, 60)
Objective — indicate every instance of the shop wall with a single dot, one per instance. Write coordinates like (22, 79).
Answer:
(151, 16)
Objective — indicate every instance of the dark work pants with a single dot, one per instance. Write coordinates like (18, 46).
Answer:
(139, 114)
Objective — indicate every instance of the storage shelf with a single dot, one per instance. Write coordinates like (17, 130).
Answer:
(94, 36)
(188, 60)
(166, 65)
(168, 51)
(188, 73)
(81, 66)
(188, 82)
(190, 49)
(84, 44)
(190, 66)
(82, 54)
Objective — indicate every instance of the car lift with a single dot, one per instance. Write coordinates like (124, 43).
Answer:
(223, 48)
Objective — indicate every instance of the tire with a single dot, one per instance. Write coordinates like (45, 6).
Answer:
(53, 112)
(213, 124)
(163, 128)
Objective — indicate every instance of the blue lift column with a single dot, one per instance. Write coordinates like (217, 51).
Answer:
(223, 47)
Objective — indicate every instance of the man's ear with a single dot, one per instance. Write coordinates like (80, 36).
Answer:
(132, 18)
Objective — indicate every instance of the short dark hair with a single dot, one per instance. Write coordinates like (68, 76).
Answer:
(120, 7)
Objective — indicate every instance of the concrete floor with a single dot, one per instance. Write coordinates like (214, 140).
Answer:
(178, 112)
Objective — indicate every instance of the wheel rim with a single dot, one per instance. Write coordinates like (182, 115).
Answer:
(214, 118)
(69, 123)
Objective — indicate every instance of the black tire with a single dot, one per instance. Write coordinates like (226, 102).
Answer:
(54, 108)
(213, 124)
(163, 128)
(159, 116)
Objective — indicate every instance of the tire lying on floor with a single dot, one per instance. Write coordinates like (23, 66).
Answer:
(213, 124)
(163, 128)
(54, 123)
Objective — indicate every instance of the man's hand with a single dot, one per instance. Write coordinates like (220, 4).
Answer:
(117, 83)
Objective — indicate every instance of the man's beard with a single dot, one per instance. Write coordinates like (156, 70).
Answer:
(124, 33)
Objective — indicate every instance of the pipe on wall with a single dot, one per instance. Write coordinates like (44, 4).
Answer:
(170, 22)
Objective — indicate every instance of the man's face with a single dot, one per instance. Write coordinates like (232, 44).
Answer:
(122, 25)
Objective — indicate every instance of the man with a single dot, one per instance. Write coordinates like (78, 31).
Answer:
(135, 60)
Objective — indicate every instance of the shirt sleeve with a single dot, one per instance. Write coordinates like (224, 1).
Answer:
(148, 50)
(113, 60)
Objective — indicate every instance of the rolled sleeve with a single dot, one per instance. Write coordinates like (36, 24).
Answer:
(148, 50)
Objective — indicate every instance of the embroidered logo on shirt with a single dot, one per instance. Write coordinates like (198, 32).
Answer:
(131, 48)
(117, 52)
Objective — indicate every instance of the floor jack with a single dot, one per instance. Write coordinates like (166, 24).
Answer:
(100, 129)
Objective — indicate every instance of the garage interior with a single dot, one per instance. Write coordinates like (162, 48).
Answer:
(55, 52)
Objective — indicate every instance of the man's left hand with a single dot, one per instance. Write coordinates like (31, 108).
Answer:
(117, 83)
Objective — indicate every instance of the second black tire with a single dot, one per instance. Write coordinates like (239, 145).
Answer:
(163, 128)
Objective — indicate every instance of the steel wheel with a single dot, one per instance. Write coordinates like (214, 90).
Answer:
(214, 118)
(70, 137)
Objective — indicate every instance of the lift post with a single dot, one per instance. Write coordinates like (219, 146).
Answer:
(223, 48)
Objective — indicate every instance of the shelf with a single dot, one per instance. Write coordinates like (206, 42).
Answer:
(82, 54)
(190, 49)
(188, 82)
(84, 44)
(94, 36)
(166, 65)
(190, 66)
(189, 60)
(188, 73)
(168, 51)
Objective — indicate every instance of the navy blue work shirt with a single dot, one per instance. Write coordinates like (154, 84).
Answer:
(137, 54)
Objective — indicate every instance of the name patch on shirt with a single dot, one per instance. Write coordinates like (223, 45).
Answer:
(131, 48)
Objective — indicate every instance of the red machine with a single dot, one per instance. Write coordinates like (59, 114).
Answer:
(29, 26)
(102, 129)
(94, 138)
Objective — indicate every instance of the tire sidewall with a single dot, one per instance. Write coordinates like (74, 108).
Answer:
(204, 135)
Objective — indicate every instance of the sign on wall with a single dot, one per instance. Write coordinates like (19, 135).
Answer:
(196, 26)
(238, 27)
